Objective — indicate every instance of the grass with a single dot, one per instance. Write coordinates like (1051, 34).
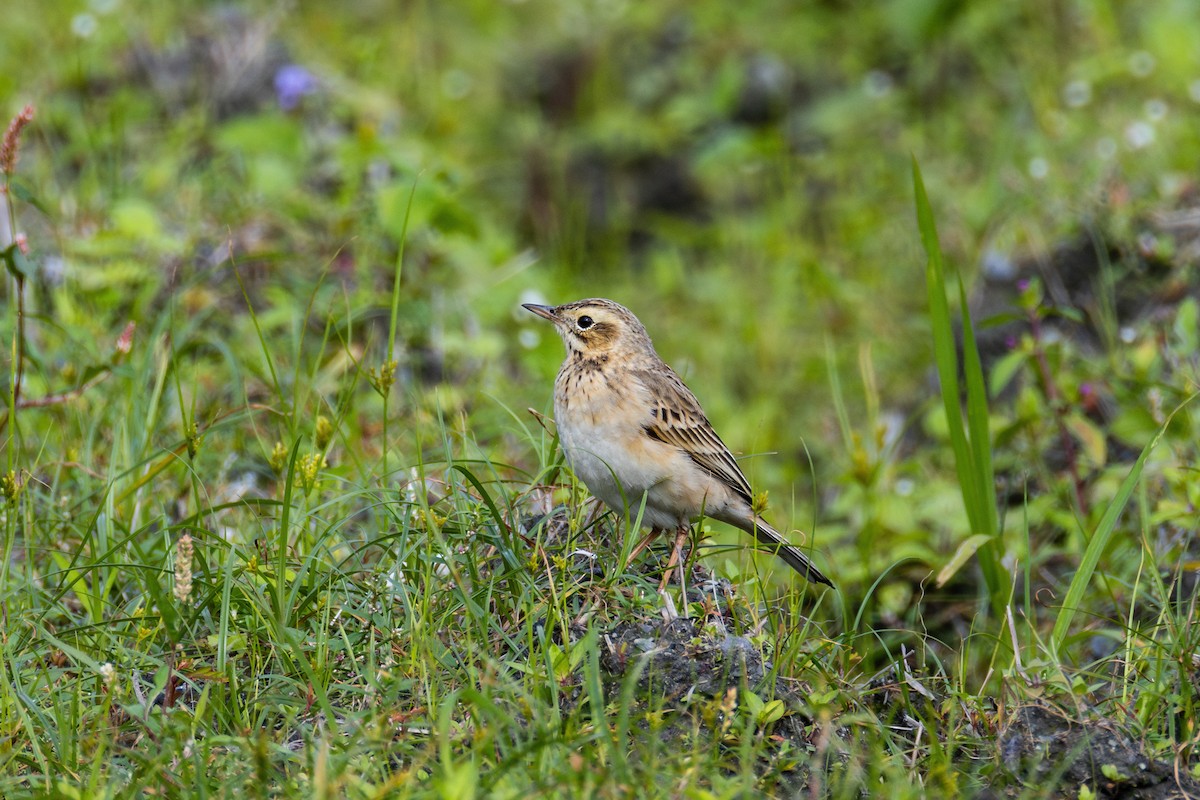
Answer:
(295, 533)
(972, 442)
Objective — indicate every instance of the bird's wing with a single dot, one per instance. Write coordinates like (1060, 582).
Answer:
(674, 417)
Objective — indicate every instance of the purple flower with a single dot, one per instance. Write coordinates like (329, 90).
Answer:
(1087, 391)
(1022, 284)
(292, 83)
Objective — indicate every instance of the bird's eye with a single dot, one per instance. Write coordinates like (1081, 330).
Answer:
(584, 322)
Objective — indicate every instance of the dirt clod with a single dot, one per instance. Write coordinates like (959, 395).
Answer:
(679, 658)
(1042, 747)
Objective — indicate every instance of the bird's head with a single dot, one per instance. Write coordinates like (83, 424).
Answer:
(595, 327)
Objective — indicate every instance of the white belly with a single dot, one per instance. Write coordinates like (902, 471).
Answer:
(603, 463)
(607, 449)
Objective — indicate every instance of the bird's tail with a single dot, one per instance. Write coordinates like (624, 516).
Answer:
(773, 542)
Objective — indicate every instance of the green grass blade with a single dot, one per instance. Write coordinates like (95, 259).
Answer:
(943, 348)
(1104, 532)
(262, 337)
(977, 415)
(972, 448)
(399, 269)
(508, 551)
(984, 472)
(279, 593)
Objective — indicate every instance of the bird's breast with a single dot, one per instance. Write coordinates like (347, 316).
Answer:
(600, 417)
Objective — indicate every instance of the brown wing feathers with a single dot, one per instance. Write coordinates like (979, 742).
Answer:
(677, 419)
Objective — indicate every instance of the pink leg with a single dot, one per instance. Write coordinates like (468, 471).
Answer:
(642, 545)
(676, 552)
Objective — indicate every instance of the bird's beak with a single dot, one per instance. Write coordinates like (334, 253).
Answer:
(542, 311)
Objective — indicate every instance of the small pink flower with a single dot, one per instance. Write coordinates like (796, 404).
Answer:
(8, 145)
(125, 340)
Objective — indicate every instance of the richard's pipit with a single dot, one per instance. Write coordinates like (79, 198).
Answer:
(630, 427)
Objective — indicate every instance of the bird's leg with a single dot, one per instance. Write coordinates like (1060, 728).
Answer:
(640, 546)
(676, 551)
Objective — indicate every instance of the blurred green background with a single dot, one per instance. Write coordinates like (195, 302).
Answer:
(737, 174)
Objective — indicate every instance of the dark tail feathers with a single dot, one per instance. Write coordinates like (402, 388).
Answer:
(772, 542)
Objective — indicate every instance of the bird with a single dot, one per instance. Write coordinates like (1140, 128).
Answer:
(631, 429)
